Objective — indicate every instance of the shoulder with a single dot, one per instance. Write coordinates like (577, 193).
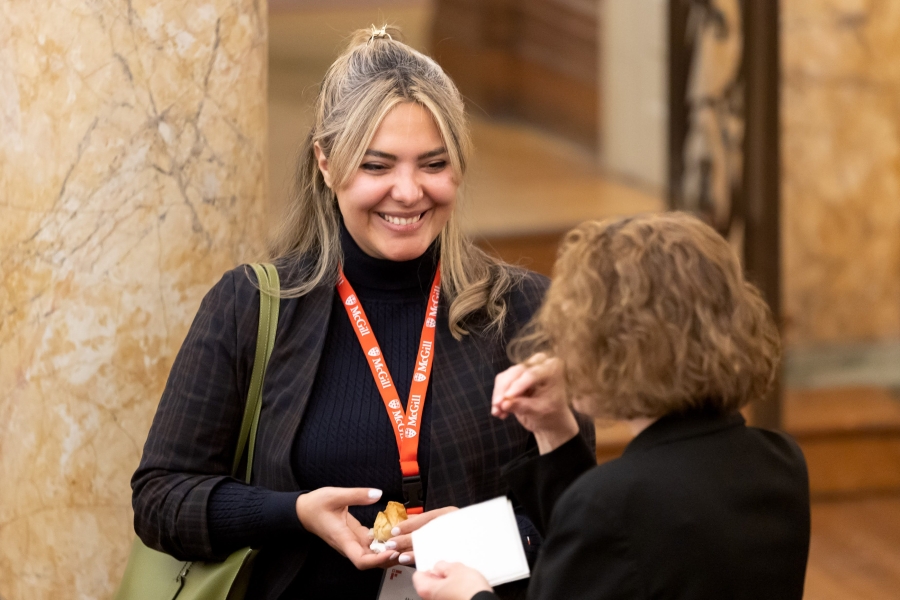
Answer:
(779, 442)
(607, 485)
(526, 294)
(782, 451)
(242, 283)
(238, 291)
(530, 286)
(237, 285)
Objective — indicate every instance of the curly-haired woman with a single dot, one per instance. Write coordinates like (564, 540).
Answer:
(649, 320)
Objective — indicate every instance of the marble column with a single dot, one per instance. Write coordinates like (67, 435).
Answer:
(841, 170)
(132, 174)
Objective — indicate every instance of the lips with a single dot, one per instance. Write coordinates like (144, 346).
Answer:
(394, 220)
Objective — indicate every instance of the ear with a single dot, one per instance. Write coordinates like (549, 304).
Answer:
(322, 161)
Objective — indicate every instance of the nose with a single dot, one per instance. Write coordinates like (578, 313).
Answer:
(407, 188)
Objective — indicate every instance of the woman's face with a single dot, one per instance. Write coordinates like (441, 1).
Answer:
(404, 192)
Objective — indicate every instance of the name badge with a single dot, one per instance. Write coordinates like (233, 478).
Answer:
(397, 584)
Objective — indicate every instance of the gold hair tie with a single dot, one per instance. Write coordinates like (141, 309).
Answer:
(378, 34)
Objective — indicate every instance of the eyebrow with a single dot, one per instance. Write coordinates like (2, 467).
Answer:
(429, 154)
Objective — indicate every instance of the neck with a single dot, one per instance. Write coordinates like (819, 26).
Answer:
(364, 271)
(638, 425)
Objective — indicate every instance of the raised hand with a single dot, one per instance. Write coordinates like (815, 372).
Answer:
(534, 392)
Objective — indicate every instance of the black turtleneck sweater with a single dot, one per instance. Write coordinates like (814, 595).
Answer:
(346, 438)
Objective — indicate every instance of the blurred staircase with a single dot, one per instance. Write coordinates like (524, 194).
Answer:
(851, 439)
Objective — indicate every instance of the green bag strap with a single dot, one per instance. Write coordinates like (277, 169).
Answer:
(269, 294)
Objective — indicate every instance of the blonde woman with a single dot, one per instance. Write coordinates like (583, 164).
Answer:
(392, 328)
(650, 320)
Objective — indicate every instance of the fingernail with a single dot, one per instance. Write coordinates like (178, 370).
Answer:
(390, 545)
(374, 493)
(404, 559)
(395, 531)
(395, 555)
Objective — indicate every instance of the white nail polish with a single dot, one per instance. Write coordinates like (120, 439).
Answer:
(395, 531)
(395, 555)
(390, 545)
(374, 493)
(404, 559)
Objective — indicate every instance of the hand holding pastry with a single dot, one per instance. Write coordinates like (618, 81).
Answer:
(401, 540)
(324, 513)
(534, 392)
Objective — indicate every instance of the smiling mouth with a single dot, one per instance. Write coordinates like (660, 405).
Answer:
(400, 220)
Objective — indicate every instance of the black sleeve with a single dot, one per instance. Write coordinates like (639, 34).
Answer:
(537, 481)
(485, 596)
(240, 515)
(190, 448)
(586, 553)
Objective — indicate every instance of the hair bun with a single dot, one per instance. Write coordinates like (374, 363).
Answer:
(362, 37)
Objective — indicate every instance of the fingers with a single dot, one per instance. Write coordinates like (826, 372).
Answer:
(523, 380)
(449, 581)
(442, 568)
(503, 380)
(364, 562)
(426, 583)
(417, 521)
(362, 534)
(334, 499)
(401, 540)
(399, 543)
(348, 544)
(324, 513)
(529, 378)
(506, 385)
(518, 378)
(342, 497)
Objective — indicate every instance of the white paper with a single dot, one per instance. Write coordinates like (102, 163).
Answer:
(397, 584)
(482, 536)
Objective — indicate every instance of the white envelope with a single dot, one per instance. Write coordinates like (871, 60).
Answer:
(482, 536)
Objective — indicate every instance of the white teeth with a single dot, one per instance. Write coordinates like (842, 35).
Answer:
(400, 221)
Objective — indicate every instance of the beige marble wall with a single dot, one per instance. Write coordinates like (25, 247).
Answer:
(132, 174)
(841, 169)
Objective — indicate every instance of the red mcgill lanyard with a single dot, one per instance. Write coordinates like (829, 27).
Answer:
(407, 424)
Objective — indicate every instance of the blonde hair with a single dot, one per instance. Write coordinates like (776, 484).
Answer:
(376, 73)
(652, 315)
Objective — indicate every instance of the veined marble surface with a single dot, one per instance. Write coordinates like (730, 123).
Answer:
(841, 170)
(132, 174)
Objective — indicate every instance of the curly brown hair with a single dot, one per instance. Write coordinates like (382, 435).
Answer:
(651, 315)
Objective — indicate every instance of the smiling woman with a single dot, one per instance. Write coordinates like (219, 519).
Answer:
(391, 329)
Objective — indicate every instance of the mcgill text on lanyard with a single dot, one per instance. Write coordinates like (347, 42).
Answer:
(406, 425)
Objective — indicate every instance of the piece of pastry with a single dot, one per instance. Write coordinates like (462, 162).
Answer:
(385, 521)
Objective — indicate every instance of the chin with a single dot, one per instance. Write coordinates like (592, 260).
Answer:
(403, 252)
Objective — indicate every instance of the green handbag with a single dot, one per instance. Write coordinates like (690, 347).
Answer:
(153, 575)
